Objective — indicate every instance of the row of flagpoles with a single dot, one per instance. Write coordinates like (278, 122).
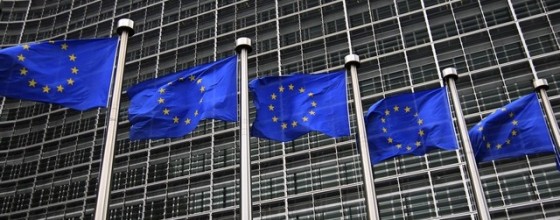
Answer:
(287, 107)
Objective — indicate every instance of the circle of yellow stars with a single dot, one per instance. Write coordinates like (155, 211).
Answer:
(396, 109)
(293, 123)
(512, 134)
(22, 57)
(168, 112)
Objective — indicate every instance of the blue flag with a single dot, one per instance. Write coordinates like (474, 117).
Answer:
(514, 130)
(412, 123)
(172, 106)
(294, 105)
(72, 73)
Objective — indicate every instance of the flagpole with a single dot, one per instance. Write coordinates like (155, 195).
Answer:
(243, 47)
(450, 74)
(541, 85)
(125, 30)
(352, 61)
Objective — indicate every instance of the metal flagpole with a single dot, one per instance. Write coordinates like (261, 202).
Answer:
(125, 30)
(541, 85)
(450, 74)
(243, 47)
(352, 61)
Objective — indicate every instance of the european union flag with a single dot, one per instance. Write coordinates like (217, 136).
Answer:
(412, 123)
(172, 106)
(293, 105)
(514, 130)
(72, 73)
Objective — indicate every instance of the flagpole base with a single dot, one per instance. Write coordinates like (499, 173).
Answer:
(125, 24)
(540, 84)
(243, 43)
(351, 59)
(450, 72)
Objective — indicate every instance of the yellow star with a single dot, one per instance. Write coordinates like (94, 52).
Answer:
(513, 133)
(310, 94)
(161, 100)
(382, 120)
(202, 89)
(72, 57)
(511, 114)
(408, 148)
(416, 114)
(199, 81)
(59, 88)
(271, 107)
(390, 140)
(515, 122)
(291, 86)
(396, 108)
(64, 46)
(387, 112)
(25, 46)
(273, 96)
(275, 119)
(46, 89)
(418, 143)
(421, 132)
(21, 57)
(281, 89)
(188, 121)
(32, 83)
(305, 119)
(161, 90)
(406, 109)
(488, 145)
(384, 130)
(166, 111)
(75, 70)
(196, 113)
(399, 146)
(23, 71)
(284, 125)
(294, 124)
(192, 77)
(301, 90)
(508, 141)
(480, 128)
(312, 112)
(498, 146)
(314, 104)
(70, 81)
(175, 120)
(420, 121)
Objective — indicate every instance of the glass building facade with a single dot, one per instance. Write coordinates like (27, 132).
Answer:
(50, 156)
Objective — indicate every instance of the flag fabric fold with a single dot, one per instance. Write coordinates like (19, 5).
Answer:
(72, 73)
(514, 130)
(172, 105)
(411, 123)
(293, 105)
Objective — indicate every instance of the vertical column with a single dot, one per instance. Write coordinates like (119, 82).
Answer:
(125, 30)
(352, 61)
(541, 85)
(450, 75)
(243, 47)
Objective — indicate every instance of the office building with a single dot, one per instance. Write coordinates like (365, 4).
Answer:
(50, 156)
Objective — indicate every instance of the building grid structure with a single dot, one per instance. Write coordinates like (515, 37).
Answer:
(50, 155)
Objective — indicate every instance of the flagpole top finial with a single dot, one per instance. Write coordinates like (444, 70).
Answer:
(449, 72)
(243, 43)
(126, 24)
(351, 59)
(540, 83)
